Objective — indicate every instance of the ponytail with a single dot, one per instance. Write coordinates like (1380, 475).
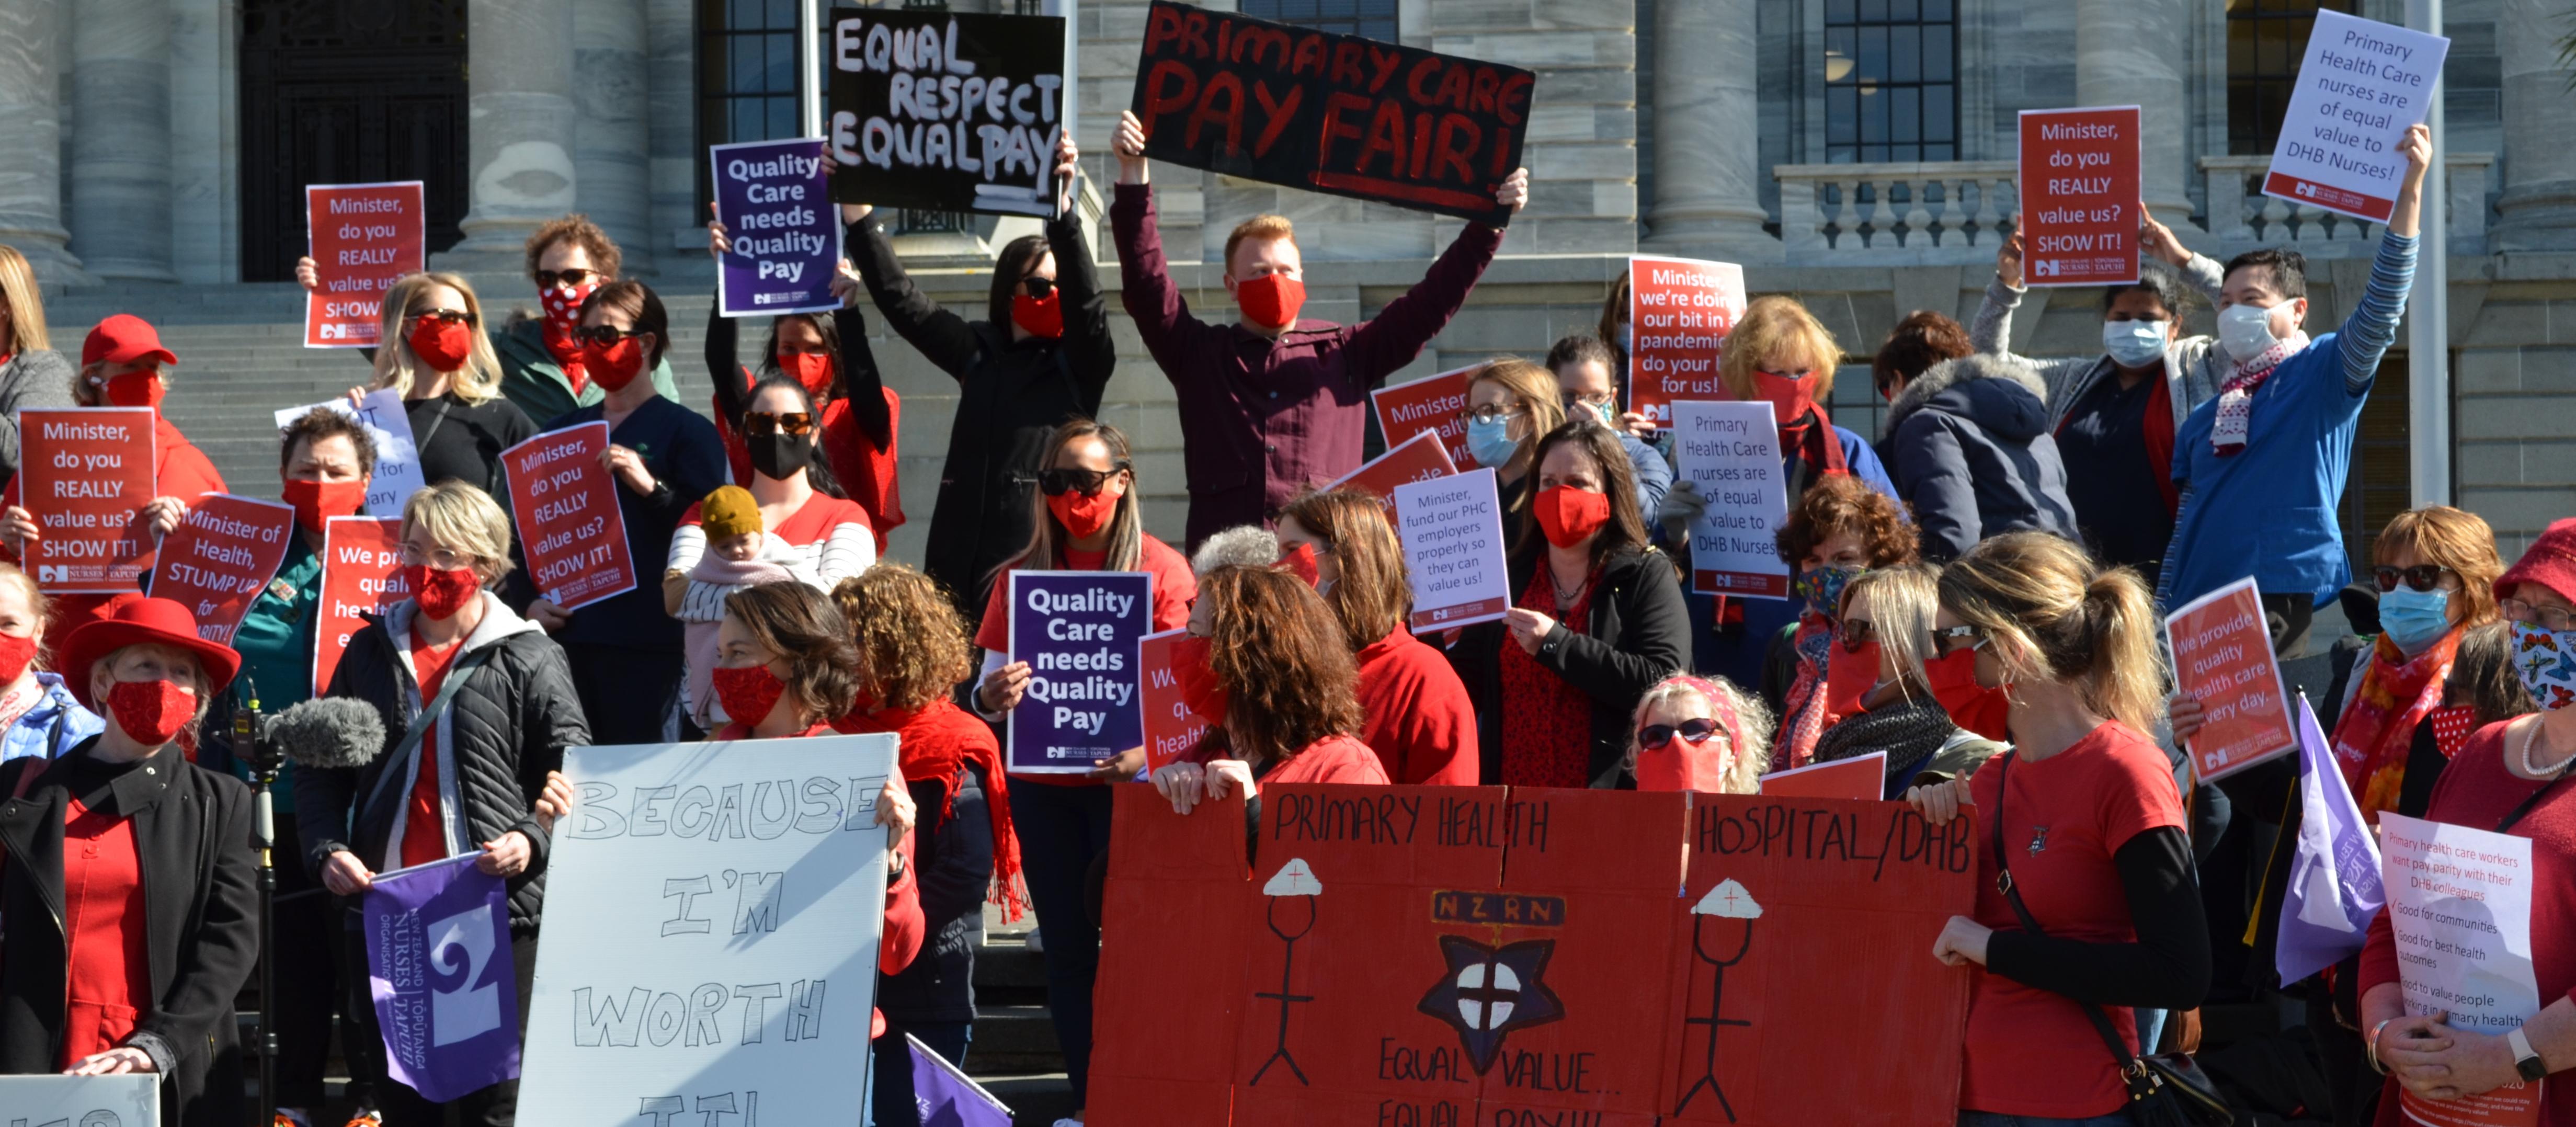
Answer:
(2063, 618)
(2126, 679)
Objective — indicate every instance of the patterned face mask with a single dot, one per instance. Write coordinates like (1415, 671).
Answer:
(2546, 659)
(1822, 587)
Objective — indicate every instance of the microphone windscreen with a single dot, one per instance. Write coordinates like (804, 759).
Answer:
(330, 732)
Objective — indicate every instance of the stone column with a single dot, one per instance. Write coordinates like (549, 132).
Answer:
(120, 151)
(2135, 53)
(31, 194)
(520, 107)
(2538, 208)
(671, 38)
(1708, 154)
(611, 140)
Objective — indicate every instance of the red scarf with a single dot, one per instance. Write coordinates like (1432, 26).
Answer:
(932, 750)
(1547, 722)
(2372, 740)
(1812, 648)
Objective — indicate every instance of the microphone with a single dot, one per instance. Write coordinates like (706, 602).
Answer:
(330, 732)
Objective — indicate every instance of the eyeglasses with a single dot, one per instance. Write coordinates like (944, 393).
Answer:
(1855, 633)
(440, 558)
(450, 316)
(1653, 737)
(604, 334)
(2421, 577)
(548, 279)
(776, 422)
(1492, 413)
(1087, 482)
(2533, 614)
(1037, 287)
(1952, 639)
(1594, 399)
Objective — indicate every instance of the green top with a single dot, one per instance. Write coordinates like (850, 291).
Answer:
(276, 643)
(531, 378)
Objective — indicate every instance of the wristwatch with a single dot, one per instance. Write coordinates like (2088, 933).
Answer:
(2526, 1060)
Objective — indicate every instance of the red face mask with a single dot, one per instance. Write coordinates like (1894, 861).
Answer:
(135, 389)
(1201, 691)
(1791, 399)
(1271, 300)
(1953, 681)
(1849, 676)
(748, 693)
(16, 654)
(1681, 765)
(443, 345)
(316, 502)
(1080, 515)
(1568, 515)
(151, 711)
(812, 369)
(1300, 562)
(562, 308)
(1041, 316)
(441, 593)
(613, 366)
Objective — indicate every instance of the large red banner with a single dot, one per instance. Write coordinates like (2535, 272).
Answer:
(1432, 404)
(362, 238)
(85, 474)
(219, 558)
(2079, 196)
(361, 574)
(566, 505)
(1679, 313)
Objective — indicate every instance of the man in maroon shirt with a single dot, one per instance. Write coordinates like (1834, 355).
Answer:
(1271, 404)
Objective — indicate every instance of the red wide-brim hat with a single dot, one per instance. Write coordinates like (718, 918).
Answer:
(163, 622)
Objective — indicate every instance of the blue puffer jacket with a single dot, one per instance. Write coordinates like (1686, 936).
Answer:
(51, 725)
(1972, 455)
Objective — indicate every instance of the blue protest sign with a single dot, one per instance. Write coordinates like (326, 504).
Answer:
(1078, 631)
(776, 205)
(444, 982)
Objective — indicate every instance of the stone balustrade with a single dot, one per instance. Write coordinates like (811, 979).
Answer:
(1930, 213)
(2238, 213)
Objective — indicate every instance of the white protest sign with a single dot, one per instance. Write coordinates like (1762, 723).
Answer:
(2459, 908)
(1730, 453)
(398, 473)
(81, 1101)
(1452, 528)
(2362, 85)
(700, 899)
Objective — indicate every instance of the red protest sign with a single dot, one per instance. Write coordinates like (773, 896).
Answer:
(1171, 728)
(1679, 312)
(1863, 777)
(361, 574)
(224, 551)
(362, 237)
(1419, 458)
(85, 474)
(2079, 196)
(1433, 404)
(2222, 654)
(566, 506)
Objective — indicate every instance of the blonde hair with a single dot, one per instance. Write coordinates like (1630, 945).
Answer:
(479, 381)
(1902, 600)
(462, 518)
(1774, 326)
(2051, 614)
(1748, 741)
(1534, 386)
(1262, 227)
(26, 304)
(37, 604)
(2451, 538)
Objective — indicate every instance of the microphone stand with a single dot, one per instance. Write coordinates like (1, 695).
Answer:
(251, 746)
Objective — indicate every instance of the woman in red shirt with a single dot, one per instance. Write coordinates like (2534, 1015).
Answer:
(1266, 665)
(1414, 713)
(2089, 824)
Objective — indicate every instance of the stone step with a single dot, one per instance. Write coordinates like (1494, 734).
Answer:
(1013, 1039)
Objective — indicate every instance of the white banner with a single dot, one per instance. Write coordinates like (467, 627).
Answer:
(80, 1101)
(2459, 901)
(1452, 529)
(398, 473)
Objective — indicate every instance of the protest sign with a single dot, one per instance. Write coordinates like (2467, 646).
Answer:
(568, 521)
(1863, 777)
(2362, 85)
(946, 1096)
(85, 474)
(128, 1100)
(361, 574)
(2079, 196)
(1452, 529)
(1679, 312)
(1078, 632)
(947, 111)
(2459, 908)
(397, 475)
(362, 237)
(2222, 654)
(713, 917)
(1476, 955)
(775, 204)
(440, 970)
(1730, 453)
(1330, 113)
(1419, 458)
(1430, 405)
(224, 551)
(1172, 729)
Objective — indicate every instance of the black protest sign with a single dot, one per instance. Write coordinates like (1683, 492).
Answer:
(946, 111)
(1330, 113)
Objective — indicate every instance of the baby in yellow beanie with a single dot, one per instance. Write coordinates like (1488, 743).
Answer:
(734, 552)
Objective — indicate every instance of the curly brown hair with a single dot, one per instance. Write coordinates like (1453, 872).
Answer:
(1843, 503)
(798, 624)
(1279, 652)
(577, 227)
(1374, 594)
(1922, 339)
(911, 641)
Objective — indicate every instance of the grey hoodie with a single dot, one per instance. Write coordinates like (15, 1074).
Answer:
(1969, 447)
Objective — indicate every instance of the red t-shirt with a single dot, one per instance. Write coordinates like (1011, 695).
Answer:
(866, 473)
(1414, 713)
(1174, 589)
(2029, 1051)
(1333, 759)
(424, 824)
(107, 983)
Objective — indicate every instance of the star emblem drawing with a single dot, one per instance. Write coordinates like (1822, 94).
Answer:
(1487, 992)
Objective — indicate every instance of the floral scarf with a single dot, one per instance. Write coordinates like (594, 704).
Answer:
(1805, 704)
(2372, 739)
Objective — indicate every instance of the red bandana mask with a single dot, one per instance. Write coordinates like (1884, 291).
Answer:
(1683, 765)
(441, 593)
(16, 653)
(1271, 300)
(748, 693)
(135, 389)
(1201, 691)
(562, 308)
(1953, 681)
(613, 365)
(316, 502)
(440, 344)
(1567, 515)
(812, 369)
(1849, 677)
(151, 711)
(1300, 562)
(1083, 516)
(1041, 316)
(1791, 399)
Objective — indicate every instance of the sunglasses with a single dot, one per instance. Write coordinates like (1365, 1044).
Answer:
(548, 279)
(1037, 287)
(777, 422)
(603, 334)
(449, 316)
(1654, 737)
(2421, 577)
(1855, 633)
(1952, 639)
(1087, 482)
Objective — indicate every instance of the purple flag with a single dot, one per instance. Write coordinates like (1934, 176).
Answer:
(946, 1098)
(438, 963)
(2334, 886)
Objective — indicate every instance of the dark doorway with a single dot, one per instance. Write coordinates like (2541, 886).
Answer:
(347, 92)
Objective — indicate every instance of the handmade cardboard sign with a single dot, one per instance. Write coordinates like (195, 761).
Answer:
(947, 111)
(362, 237)
(1330, 113)
(85, 474)
(2079, 196)
(361, 574)
(1679, 312)
(1078, 631)
(2362, 85)
(1862, 777)
(1730, 452)
(398, 474)
(1430, 405)
(775, 204)
(1452, 529)
(565, 503)
(1419, 458)
(1455, 955)
(2459, 903)
(224, 551)
(129, 1100)
(2222, 654)
(719, 909)
(1172, 728)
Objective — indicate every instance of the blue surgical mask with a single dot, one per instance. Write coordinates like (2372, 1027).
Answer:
(1491, 443)
(2133, 343)
(2414, 619)
(1608, 412)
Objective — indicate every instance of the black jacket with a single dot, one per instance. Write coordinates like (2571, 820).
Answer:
(1009, 396)
(954, 857)
(1639, 634)
(1969, 447)
(504, 730)
(192, 832)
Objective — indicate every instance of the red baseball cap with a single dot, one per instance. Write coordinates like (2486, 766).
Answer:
(124, 339)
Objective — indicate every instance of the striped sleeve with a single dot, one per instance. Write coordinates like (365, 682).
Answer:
(688, 545)
(2373, 324)
(850, 550)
